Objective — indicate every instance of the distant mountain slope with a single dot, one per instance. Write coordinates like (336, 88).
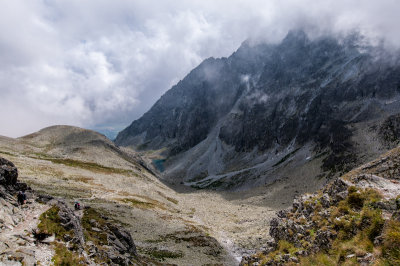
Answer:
(269, 110)
(79, 144)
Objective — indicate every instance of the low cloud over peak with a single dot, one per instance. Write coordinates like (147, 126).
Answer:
(103, 63)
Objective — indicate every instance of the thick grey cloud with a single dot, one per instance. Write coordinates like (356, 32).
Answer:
(101, 64)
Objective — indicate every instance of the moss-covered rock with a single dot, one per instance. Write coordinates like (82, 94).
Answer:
(347, 223)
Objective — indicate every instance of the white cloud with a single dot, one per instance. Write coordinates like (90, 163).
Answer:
(103, 63)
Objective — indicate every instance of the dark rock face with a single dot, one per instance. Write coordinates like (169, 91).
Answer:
(274, 96)
(335, 192)
(9, 184)
(70, 221)
(185, 114)
(123, 240)
(122, 245)
(8, 173)
(390, 130)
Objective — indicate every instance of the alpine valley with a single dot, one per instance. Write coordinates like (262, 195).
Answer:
(280, 154)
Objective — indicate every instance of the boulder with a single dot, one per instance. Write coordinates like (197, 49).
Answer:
(44, 198)
(8, 173)
(123, 241)
(336, 187)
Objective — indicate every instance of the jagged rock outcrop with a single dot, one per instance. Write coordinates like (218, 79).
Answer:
(9, 185)
(342, 222)
(114, 243)
(53, 221)
(70, 221)
(8, 173)
(390, 130)
(121, 239)
(232, 119)
(96, 240)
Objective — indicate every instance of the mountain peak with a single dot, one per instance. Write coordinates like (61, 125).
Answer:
(295, 36)
(247, 115)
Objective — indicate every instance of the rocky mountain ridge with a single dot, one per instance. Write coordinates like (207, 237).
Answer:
(233, 123)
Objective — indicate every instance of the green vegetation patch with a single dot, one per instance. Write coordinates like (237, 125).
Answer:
(174, 201)
(94, 167)
(162, 254)
(8, 153)
(67, 192)
(391, 243)
(139, 204)
(145, 205)
(83, 179)
(318, 259)
(192, 236)
(357, 223)
(143, 146)
(196, 237)
(284, 247)
(92, 218)
(357, 229)
(50, 224)
(65, 257)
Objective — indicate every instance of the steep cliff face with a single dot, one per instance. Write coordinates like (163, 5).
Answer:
(185, 115)
(299, 102)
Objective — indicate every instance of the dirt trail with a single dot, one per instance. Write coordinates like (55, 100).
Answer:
(18, 240)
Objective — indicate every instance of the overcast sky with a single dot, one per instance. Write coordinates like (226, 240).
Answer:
(102, 64)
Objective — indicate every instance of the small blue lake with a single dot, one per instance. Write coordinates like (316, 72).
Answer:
(159, 164)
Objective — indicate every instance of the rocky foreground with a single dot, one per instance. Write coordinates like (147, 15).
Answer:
(46, 230)
(172, 227)
(355, 220)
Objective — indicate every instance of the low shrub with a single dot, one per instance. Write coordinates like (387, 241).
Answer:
(391, 243)
(65, 257)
